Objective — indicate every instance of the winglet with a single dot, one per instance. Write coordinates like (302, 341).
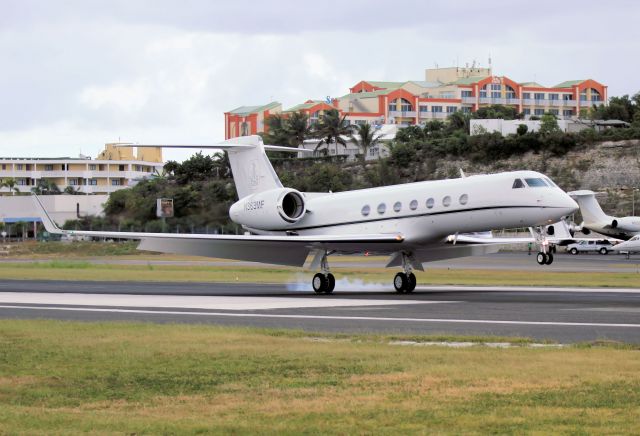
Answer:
(49, 224)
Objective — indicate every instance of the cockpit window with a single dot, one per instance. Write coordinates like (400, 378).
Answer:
(550, 182)
(517, 183)
(536, 183)
(635, 238)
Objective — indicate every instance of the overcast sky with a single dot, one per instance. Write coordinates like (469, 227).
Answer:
(77, 74)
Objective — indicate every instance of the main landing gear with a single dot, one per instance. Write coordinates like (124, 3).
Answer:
(405, 282)
(324, 282)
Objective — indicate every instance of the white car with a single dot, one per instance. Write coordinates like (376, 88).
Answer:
(601, 246)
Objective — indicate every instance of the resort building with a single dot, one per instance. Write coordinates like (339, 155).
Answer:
(114, 168)
(249, 120)
(442, 92)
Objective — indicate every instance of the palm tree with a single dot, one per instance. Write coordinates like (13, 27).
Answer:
(45, 187)
(11, 184)
(365, 138)
(332, 128)
(297, 129)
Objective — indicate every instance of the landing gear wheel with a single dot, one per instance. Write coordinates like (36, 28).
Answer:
(331, 283)
(549, 259)
(411, 282)
(320, 283)
(603, 250)
(401, 282)
(541, 258)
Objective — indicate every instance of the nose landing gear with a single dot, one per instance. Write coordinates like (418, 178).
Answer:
(545, 255)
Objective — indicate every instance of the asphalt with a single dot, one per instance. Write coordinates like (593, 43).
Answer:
(564, 315)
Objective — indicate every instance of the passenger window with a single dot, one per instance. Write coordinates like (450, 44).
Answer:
(365, 210)
(382, 208)
(413, 205)
(397, 206)
(517, 183)
(430, 203)
(464, 199)
(446, 201)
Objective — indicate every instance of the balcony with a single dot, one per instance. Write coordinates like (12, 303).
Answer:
(434, 115)
(589, 103)
(402, 114)
(493, 100)
(469, 100)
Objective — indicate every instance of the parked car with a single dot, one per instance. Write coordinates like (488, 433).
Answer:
(601, 246)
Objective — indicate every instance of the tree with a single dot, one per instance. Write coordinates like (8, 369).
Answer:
(70, 190)
(332, 129)
(46, 187)
(497, 111)
(296, 129)
(548, 124)
(11, 184)
(365, 137)
(276, 131)
(522, 129)
(458, 121)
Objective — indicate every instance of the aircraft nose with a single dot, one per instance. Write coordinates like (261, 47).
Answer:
(569, 203)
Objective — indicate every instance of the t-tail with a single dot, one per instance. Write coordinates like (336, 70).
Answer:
(250, 166)
(590, 209)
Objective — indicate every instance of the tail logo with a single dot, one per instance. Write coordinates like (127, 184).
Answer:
(254, 178)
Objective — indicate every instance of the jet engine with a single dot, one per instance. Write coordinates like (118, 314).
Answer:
(627, 224)
(275, 209)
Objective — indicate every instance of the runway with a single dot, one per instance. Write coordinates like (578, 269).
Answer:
(559, 314)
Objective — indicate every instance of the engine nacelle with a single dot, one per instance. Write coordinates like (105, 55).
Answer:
(276, 209)
(626, 224)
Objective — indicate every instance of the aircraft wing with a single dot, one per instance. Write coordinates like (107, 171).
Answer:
(278, 250)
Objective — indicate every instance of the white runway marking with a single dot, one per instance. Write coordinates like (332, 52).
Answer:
(529, 289)
(326, 317)
(194, 302)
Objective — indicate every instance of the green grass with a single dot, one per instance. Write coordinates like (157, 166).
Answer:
(69, 377)
(85, 270)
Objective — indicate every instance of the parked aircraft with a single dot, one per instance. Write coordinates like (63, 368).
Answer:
(630, 246)
(409, 222)
(597, 221)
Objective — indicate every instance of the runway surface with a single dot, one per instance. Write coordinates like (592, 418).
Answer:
(563, 315)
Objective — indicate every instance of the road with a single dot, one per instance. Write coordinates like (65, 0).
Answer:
(559, 314)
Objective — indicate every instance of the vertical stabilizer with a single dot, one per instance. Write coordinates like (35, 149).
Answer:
(252, 171)
(590, 209)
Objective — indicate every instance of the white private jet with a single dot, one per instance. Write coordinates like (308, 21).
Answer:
(594, 218)
(408, 222)
(630, 246)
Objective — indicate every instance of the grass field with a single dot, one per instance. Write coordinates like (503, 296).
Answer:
(85, 270)
(64, 377)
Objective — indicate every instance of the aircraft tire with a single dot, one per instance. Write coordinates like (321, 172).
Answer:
(400, 282)
(549, 259)
(541, 258)
(411, 282)
(319, 283)
(603, 251)
(331, 283)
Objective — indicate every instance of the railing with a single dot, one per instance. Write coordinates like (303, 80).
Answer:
(589, 103)
(432, 115)
(402, 114)
(471, 100)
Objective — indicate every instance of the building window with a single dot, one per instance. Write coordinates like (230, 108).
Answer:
(436, 108)
(373, 151)
(19, 167)
(120, 167)
(496, 87)
(365, 210)
(554, 97)
(464, 199)
(554, 111)
(466, 94)
(538, 96)
(430, 203)
(424, 108)
(496, 94)
(48, 167)
(526, 95)
(526, 111)
(4, 166)
(451, 109)
(446, 201)
(382, 208)
(567, 112)
(397, 206)
(413, 205)
(567, 97)
(466, 110)
(115, 182)
(92, 167)
(538, 112)
(483, 94)
(101, 167)
(73, 182)
(92, 182)
(21, 182)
